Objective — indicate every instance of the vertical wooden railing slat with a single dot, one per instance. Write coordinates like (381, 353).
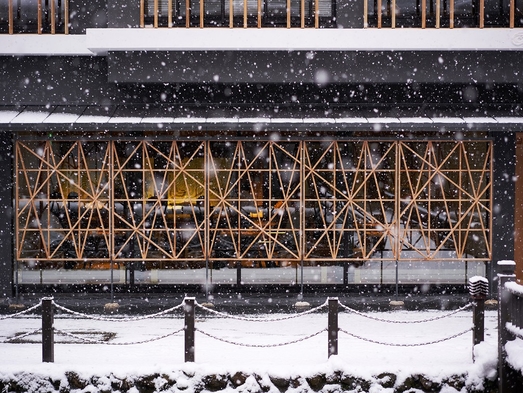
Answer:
(187, 13)
(202, 13)
(379, 14)
(481, 14)
(423, 14)
(302, 14)
(288, 14)
(66, 16)
(451, 14)
(317, 14)
(512, 13)
(155, 23)
(365, 13)
(438, 13)
(142, 13)
(170, 13)
(10, 17)
(53, 17)
(245, 9)
(39, 16)
(393, 14)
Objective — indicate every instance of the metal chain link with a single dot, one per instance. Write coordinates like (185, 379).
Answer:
(91, 341)
(97, 318)
(261, 345)
(405, 345)
(21, 312)
(398, 321)
(21, 336)
(240, 318)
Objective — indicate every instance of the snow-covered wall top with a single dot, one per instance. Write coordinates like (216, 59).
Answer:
(100, 41)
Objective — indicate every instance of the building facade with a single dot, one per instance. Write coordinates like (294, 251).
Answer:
(247, 144)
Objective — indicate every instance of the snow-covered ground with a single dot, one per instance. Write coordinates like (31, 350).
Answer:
(306, 356)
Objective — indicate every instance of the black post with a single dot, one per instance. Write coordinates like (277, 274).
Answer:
(478, 319)
(47, 330)
(345, 273)
(238, 274)
(333, 326)
(505, 274)
(189, 329)
(479, 290)
(131, 276)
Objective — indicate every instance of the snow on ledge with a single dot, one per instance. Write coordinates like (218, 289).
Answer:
(514, 350)
(29, 116)
(515, 288)
(478, 279)
(101, 41)
(43, 45)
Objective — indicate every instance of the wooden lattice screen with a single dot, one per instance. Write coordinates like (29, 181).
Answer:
(275, 203)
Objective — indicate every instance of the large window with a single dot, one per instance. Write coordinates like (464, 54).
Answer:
(177, 204)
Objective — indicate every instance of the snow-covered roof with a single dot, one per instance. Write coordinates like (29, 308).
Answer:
(165, 116)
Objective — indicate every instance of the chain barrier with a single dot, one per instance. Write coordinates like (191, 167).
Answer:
(406, 345)
(240, 318)
(91, 341)
(20, 336)
(132, 319)
(21, 312)
(330, 329)
(261, 345)
(399, 321)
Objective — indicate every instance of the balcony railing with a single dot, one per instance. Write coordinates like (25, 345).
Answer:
(34, 17)
(443, 13)
(238, 13)
(323, 13)
(52, 16)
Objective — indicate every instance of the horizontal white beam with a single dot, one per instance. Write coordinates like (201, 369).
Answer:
(43, 45)
(277, 39)
(100, 41)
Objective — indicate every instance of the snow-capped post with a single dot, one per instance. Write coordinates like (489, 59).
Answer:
(505, 274)
(333, 326)
(189, 328)
(47, 330)
(478, 290)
